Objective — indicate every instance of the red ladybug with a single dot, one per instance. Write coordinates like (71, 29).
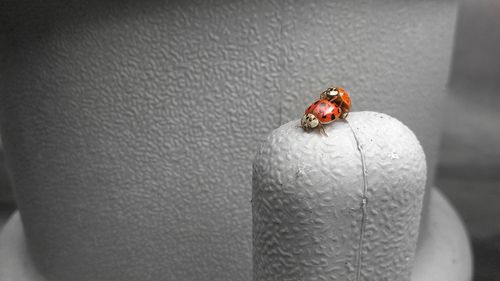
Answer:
(321, 112)
(340, 97)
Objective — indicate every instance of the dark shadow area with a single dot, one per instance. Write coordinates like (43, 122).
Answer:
(487, 258)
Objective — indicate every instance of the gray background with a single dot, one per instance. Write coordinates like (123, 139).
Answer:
(469, 163)
(255, 66)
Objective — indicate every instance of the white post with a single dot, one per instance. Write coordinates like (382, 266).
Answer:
(317, 216)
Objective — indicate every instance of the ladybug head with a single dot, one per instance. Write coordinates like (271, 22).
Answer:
(309, 122)
(331, 93)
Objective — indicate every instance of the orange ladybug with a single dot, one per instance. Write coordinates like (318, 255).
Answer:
(321, 112)
(340, 97)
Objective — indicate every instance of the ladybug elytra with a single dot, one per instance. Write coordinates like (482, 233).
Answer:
(334, 104)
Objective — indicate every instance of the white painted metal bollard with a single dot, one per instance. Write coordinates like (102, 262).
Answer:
(317, 216)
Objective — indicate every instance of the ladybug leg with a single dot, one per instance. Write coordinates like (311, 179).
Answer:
(343, 115)
(322, 130)
(338, 101)
(341, 111)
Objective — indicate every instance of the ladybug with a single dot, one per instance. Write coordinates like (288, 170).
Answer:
(321, 112)
(340, 97)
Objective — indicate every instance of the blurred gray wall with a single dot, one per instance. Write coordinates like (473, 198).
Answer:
(469, 162)
(476, 58)
(472, 132)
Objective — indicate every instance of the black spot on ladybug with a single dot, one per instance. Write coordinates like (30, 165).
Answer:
(324, 116)
(332, 116)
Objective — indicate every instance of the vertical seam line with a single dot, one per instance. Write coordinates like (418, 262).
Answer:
(363, 205)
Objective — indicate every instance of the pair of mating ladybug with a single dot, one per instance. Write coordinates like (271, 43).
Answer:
(334, 103)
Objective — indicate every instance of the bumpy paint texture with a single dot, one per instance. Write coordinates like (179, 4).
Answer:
(307, 193)
(130, 128)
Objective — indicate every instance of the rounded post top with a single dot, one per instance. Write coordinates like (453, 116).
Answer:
(388, 145)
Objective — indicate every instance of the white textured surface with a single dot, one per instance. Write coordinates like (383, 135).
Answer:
(130, 130)
(445, 237)
(307, 192)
